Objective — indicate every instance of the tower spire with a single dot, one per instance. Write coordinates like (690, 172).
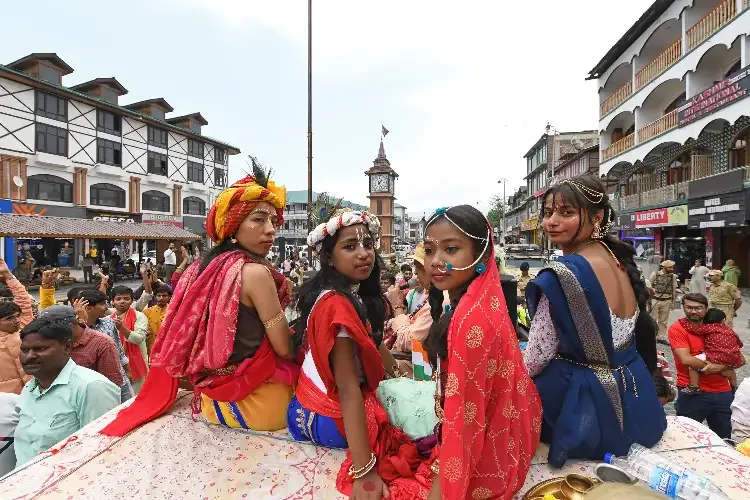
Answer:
(381, 151)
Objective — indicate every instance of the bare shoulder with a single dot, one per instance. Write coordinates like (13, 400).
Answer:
(252, 270)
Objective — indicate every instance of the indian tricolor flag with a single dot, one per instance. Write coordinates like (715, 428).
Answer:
(422, 367)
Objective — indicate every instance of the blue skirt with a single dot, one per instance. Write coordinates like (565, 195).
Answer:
(305, 425)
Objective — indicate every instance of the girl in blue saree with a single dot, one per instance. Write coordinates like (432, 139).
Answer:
(591, 333)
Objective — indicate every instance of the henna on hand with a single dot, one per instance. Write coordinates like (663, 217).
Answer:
(368, 486)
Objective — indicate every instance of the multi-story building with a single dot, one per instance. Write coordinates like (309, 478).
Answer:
(400, 225)
(74, 151)
(515, 214)
(417, 224)
(542, 161)
(673, 118)
(295, 230)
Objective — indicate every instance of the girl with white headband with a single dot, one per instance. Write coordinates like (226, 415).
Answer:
(488, 410)
(342, 315)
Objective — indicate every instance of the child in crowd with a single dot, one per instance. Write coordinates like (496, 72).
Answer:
(663, 389)
(522, 311)
(721, 346)
(132, 326)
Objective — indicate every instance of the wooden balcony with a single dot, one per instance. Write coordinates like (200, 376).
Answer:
(658, 127)
(618, 147)
(659, 64)
(701, 166)
(712, 22)
(618, 97)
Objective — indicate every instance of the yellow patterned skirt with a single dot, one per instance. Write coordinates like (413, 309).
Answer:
(263, 410)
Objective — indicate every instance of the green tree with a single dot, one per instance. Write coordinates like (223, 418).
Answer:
(497, 209)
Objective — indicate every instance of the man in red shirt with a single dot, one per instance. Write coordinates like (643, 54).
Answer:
(712, 402)
(91, 349)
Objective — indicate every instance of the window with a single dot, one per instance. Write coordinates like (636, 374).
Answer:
(193, 206)
(108, 95)
(739, 153)
(50, 74)
(108, 152)
(221, 155)
(107, 195)
(51, 139)
(195, 172)
(108, 122)
(379, 208)
(220, 178)
(50, 188)
(678, 102)
(157, 137)
(51, 106)
(195, 148)
(155, 201)
(157, 163)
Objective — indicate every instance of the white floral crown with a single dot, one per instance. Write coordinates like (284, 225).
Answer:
(343, 218)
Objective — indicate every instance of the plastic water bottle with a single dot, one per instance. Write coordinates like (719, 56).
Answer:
(664, 476)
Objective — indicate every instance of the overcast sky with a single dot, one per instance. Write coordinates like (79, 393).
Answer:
(465, 88)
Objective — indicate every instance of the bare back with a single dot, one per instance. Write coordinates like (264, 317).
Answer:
(615, 282)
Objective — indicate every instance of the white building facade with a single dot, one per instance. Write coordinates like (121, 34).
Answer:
(76, 152)
(673, 117)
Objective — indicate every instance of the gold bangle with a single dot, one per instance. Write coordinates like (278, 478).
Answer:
(360, 473)
(435, 467)
(274, 321)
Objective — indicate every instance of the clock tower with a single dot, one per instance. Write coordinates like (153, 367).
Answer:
(382, 200)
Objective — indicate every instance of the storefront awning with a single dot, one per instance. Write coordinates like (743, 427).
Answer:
(34, 226)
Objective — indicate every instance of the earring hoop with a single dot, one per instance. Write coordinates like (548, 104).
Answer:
(596, 234)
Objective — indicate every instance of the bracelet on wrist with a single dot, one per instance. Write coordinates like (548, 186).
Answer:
(360, 473)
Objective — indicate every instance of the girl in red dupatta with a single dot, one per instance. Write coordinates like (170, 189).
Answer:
(238, 371)
(340, 329)
(490, 409)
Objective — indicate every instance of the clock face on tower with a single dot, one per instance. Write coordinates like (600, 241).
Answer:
(379, 183)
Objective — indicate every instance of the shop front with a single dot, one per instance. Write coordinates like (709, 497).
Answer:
(533, 231)
(107, 249)
(664, 234)
(718, 208)
(38, 251)
(160, 246)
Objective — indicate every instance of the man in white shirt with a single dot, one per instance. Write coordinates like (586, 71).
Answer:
(170, 261)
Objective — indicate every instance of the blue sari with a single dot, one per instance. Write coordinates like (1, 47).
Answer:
(596, 399)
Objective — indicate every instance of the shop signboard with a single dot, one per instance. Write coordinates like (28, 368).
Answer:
(624, 222)
(661, 217)
(48, 210)
(726, 210)
(175, 220)
(713, 185)
(720, 95)
(530, 224)
(195, 225)
(121, 217)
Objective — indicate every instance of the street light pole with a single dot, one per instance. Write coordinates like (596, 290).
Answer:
(309, 118)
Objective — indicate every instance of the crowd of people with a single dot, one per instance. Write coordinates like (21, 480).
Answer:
(416, 371)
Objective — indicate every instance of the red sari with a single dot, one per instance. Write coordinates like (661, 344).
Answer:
(398, 458)
(492, 411)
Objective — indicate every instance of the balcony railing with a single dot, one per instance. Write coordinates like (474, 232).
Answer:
(660, 63)
(658, 127)
(617, 98)
(618, 147)
(712, 22)
(631, 201)
(702, 166)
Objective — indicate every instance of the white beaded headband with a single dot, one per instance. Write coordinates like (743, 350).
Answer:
(343, 218)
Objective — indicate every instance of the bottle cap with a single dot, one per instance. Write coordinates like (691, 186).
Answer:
(608, 458)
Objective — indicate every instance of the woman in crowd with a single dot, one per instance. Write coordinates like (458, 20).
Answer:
(342, 315)
(489, 408)
(225, 330)
(731, 272)
(590, 324)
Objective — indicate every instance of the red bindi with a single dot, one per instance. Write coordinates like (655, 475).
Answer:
(368, 486)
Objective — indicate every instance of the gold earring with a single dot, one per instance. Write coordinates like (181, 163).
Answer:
(234, 240)
(596, 234)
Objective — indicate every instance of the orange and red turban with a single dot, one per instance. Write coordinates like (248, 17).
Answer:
(237, 201)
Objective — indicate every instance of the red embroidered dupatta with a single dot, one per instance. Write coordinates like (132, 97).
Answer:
(138, 368)
(492, 410)
(198, 335)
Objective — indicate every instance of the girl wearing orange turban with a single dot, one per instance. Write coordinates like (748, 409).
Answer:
(225, 330)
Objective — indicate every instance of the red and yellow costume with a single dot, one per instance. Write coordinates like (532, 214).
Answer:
(198, 332)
